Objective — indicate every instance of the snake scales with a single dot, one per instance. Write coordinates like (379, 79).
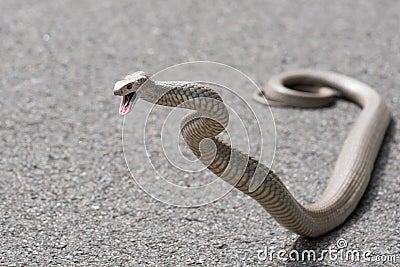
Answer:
(209, 117)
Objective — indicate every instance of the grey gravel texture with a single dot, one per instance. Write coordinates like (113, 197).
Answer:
(66, 196)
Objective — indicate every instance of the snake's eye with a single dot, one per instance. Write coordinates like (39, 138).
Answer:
(129, 86)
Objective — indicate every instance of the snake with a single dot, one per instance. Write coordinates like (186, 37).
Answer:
(209, 116)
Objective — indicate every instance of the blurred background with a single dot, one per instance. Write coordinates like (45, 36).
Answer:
(66, 196)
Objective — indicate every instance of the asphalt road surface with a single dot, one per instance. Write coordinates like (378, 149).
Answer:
(66, 196)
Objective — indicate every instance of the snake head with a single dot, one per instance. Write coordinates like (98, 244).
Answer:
(127, 88)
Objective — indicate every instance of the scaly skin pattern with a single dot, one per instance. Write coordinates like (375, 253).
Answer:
(209, 117)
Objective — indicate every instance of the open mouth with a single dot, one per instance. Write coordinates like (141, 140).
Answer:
(126, 103)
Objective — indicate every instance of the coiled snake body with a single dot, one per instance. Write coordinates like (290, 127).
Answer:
(201, 127)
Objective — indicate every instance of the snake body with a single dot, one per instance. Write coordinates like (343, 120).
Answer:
(209, 117)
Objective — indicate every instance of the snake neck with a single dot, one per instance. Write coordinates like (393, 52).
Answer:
(151, 91)
(209, 118)
(174, 94)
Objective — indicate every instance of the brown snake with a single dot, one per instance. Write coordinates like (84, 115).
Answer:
(201, 127)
